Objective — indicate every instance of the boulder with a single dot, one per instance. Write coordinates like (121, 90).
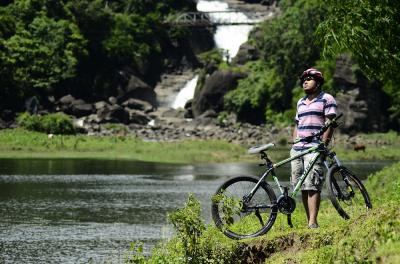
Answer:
(113, 114)
(100, 104)
(66, 100)
(362, 101)
(80, 108)
(138, 89)
(138, 105)
(137, 117)
(212, 93)
(245, 54)
(355, 111)
(32, 105)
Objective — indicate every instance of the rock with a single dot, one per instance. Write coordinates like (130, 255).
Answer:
(215, 87)
(361, 101)
(245, 54)
(344, 76)
(79, 108)
(32, 105)
(137, 117)
(138, 104)
(100, 104)
(113, 114)
(138, 89)
(67, 99)
(76, 107)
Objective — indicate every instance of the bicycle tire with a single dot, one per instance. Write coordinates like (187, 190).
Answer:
(347, 193)
(237, 221)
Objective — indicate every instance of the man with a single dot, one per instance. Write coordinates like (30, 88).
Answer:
(313, 110)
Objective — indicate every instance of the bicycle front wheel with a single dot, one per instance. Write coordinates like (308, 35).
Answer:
(240, 216)
(347, 193)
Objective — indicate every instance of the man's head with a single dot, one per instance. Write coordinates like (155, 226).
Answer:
(312, 80)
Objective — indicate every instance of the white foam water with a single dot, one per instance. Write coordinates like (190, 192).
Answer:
(186, 93)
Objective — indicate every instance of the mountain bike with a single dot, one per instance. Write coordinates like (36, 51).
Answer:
(246, 206)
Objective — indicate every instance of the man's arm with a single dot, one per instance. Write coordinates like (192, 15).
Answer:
(326, 137)
(294, 136)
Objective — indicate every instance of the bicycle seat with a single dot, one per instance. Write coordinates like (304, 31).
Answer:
(259, 149)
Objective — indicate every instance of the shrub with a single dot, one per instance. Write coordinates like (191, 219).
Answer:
(190, 226)
(57, 123)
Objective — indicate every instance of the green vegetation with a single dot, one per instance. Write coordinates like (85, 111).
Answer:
(19, 143)
(288, 47)
(57, 123)
(371, 237)
(312, 33)
(369, 30)
(79, 46)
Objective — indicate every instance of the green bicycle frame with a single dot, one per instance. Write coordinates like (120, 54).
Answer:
(315, 149)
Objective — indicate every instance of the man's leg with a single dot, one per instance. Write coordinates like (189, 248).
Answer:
(304, 196)
(314, 199)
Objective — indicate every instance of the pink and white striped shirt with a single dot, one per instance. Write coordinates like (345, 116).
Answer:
(311, 116)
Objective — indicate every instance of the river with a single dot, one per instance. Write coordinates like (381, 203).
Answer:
(76, 211)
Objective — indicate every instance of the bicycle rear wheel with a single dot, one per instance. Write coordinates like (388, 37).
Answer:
(239, 217)
(347, 193)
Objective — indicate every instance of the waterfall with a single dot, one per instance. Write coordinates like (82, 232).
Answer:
(227, 38)
(186, 93)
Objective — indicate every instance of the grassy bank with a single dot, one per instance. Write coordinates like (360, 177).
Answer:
(370, 238)
(18, 143)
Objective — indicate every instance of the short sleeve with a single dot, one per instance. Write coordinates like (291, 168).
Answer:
(330, 108)
(296, 118)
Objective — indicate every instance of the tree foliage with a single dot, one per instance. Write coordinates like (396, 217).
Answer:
(370, 31)
(43, 54)
(255, 95)
(79, 46)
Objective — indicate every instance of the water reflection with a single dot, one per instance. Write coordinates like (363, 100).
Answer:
(69, 211)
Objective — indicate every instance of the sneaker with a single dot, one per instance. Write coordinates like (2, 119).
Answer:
(313, 226)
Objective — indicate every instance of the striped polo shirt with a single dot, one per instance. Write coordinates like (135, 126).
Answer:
(310, 117)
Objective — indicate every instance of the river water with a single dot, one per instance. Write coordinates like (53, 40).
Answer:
(76, 211)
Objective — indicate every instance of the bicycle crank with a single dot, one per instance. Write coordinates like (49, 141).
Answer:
(286, 204)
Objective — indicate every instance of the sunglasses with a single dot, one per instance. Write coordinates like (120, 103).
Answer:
(308, 78)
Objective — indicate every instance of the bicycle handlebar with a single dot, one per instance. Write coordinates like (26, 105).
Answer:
(330, 123)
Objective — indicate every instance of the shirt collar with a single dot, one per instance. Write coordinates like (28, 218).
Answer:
(320, 95)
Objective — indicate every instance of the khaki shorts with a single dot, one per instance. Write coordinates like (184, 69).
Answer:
(314, 179)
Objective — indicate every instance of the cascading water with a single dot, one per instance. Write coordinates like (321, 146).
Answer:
(185, 94)
(228, 38)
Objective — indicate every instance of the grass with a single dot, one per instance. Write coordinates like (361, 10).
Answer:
(19, 143)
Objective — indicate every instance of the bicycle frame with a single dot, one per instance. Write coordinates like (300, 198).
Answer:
(271, 169)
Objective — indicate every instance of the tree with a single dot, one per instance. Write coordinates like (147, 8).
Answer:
(39, 56)
(370, 31)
